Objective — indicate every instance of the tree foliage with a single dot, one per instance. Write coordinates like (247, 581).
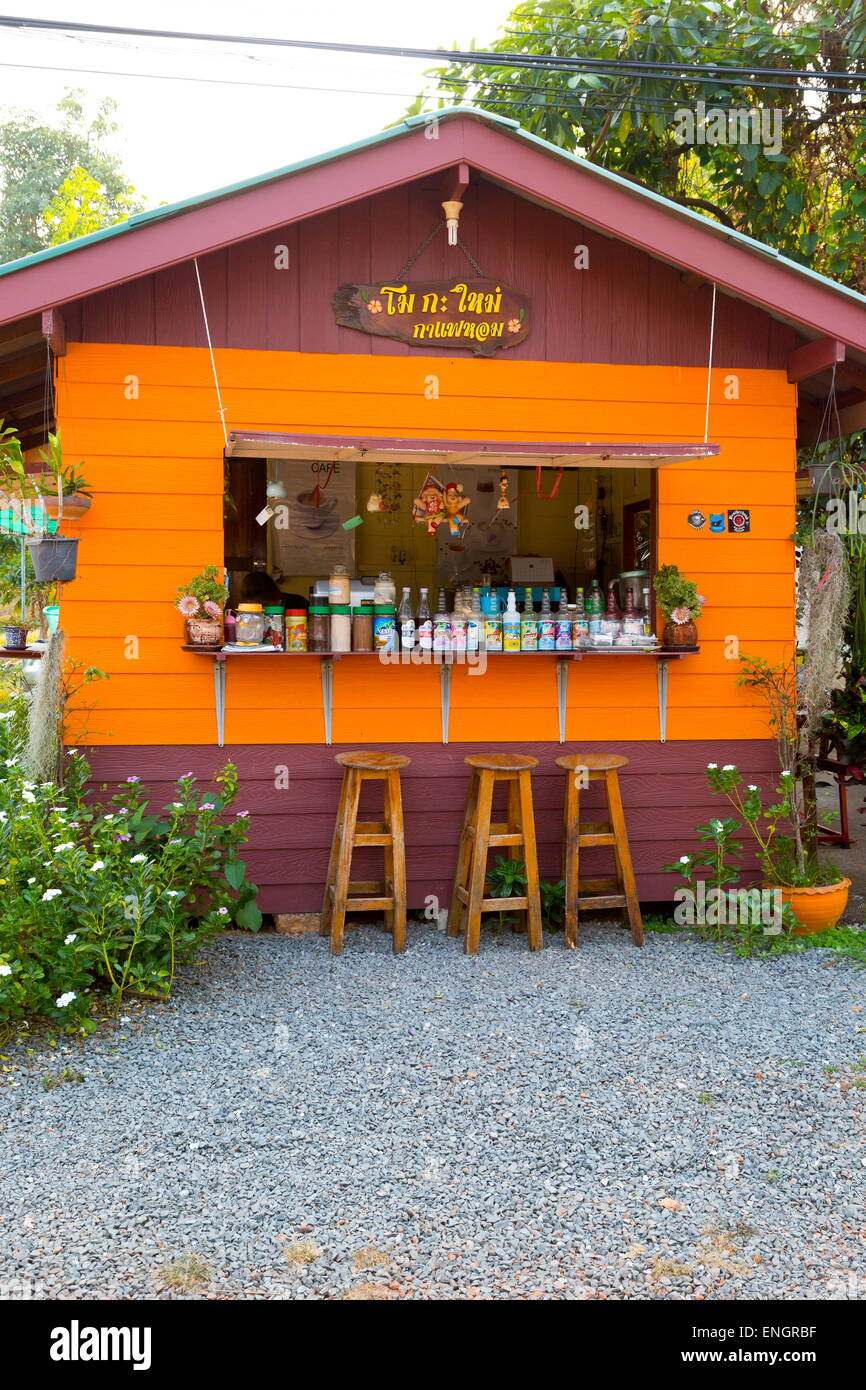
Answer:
(807, 197)
(59, 180)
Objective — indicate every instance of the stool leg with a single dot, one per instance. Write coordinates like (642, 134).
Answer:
(479, 861)
(571, 857)
(530, 851)
(515, 823)
(344, 861)
(623, 856)
(395, 860)
(327, 901)
(464, 858)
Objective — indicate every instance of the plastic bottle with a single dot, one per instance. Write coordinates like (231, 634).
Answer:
(406, 622)
(546, 625)
(425, 623)
(563, 623)
(384, 590)
(594, 608)
(475, 624)
(579, 621)
(441, 626)
(528, 626)
(511, 625)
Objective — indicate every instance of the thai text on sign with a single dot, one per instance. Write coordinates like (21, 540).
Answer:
(479, 315)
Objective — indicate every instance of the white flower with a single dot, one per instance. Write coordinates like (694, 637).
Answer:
(138, 859)
(3, 815)
(29, 785)
(173, 893)
(69, 845)
(10, 762)
(5, 969)
(68, 940)
(729, 767)
(711, 767)
(177, 804)
(751, 787)
(31, 880)
(685, 858)
(71, 751)
(7, 714)
(97, 865)
(108, 817)
(49, 894)
(66, 998)
(27, 796)
(716, 827)
(785, 774)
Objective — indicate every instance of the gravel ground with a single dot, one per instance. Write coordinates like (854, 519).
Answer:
(608, 1123)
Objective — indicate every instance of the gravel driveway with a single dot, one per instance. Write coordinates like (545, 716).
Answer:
(607, 1123)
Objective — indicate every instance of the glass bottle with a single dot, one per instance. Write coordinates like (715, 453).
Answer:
(611, 623)
(594, 608)
(406, 622)
(384, 590)
(425, 623)
(546, 625)
(632, 621)
(528, 625)
(474, 623)
(579, 621)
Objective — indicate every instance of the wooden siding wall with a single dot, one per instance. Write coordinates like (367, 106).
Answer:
(625, 307)
(144, 419)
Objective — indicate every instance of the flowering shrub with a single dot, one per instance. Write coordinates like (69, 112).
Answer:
(112, 896)
(203, 594)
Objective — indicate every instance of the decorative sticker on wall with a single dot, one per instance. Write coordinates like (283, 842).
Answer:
(717, 522)
(739, 520)
(696, 519)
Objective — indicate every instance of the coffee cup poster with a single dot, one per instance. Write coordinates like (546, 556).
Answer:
(307, 526)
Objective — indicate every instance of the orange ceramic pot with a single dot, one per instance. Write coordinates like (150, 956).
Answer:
(816, 909)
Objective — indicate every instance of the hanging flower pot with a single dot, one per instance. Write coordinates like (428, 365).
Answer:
(54, 559)
(75, 504)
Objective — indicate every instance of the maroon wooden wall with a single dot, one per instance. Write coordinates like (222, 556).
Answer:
(664, 793)
(626, 307)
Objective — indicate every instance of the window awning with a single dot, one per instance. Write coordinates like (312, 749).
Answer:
(438, 453)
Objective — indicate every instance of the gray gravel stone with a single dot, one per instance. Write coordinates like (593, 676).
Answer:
(604, 1123)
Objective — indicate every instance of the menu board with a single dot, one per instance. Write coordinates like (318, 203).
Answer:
(307, 526)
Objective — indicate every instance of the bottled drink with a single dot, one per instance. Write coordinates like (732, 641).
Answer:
(441, 626)
(425, 623)
(563, 623)
(611, 624)
(528, 625)
(579, 622)
(594, 608)
(632, 622)
(546, 625)
(511, 625)
(406, 622)
(474, 623)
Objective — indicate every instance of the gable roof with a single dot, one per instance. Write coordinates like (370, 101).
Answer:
(494, 146)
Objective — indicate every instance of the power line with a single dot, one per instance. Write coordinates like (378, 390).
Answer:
(470, 57)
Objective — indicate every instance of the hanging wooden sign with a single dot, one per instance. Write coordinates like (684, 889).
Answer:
(478, 315)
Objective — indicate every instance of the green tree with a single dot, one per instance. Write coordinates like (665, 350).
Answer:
(807, 196)
(59, 180)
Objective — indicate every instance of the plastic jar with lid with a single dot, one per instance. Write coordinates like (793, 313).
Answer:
(341, 628)
(362, 628)
(296, 629)
(384, 590)
(319, 628)
(275, 626)
(250, 625)
(339, 585)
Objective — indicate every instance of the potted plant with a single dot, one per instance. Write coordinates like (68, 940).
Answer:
(816, 893)
(202, 601)
(15, 633)
(681, 605)
(62, 488)
(53, 557)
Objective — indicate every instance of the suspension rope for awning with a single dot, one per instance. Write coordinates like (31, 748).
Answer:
(221, 408)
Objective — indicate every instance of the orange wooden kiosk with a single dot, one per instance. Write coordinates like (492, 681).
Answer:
(663, 364)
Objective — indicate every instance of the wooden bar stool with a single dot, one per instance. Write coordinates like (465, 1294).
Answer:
(478, 836)
(388, 897)
(620, 891)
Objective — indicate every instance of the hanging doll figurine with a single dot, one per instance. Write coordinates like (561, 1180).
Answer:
(455, 506)
(503, 504)
(428, 505)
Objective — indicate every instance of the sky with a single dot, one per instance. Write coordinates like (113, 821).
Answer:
(182, 137)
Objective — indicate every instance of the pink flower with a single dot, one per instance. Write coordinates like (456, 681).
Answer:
(187, 605)
(681, 615)
(212, 609)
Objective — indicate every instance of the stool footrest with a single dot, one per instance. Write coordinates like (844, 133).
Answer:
(594, 841)
(494, 904)
(602, 900)
(507, 837)
(365, 839)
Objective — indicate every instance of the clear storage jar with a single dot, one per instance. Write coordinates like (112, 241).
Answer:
(250, 625)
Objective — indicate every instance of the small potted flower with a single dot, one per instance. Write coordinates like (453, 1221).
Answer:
(15, 634)
(681, 606)
(202, 601)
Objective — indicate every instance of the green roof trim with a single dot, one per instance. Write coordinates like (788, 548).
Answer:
(395, 132)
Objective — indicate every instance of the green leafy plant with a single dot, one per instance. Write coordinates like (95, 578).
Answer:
(505, 879)
(54, 470)
(204, 593)
(552, 903)
(678, 597)
(102, 900)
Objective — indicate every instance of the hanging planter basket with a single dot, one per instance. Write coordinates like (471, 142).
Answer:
(54, 559)
(75, 505)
